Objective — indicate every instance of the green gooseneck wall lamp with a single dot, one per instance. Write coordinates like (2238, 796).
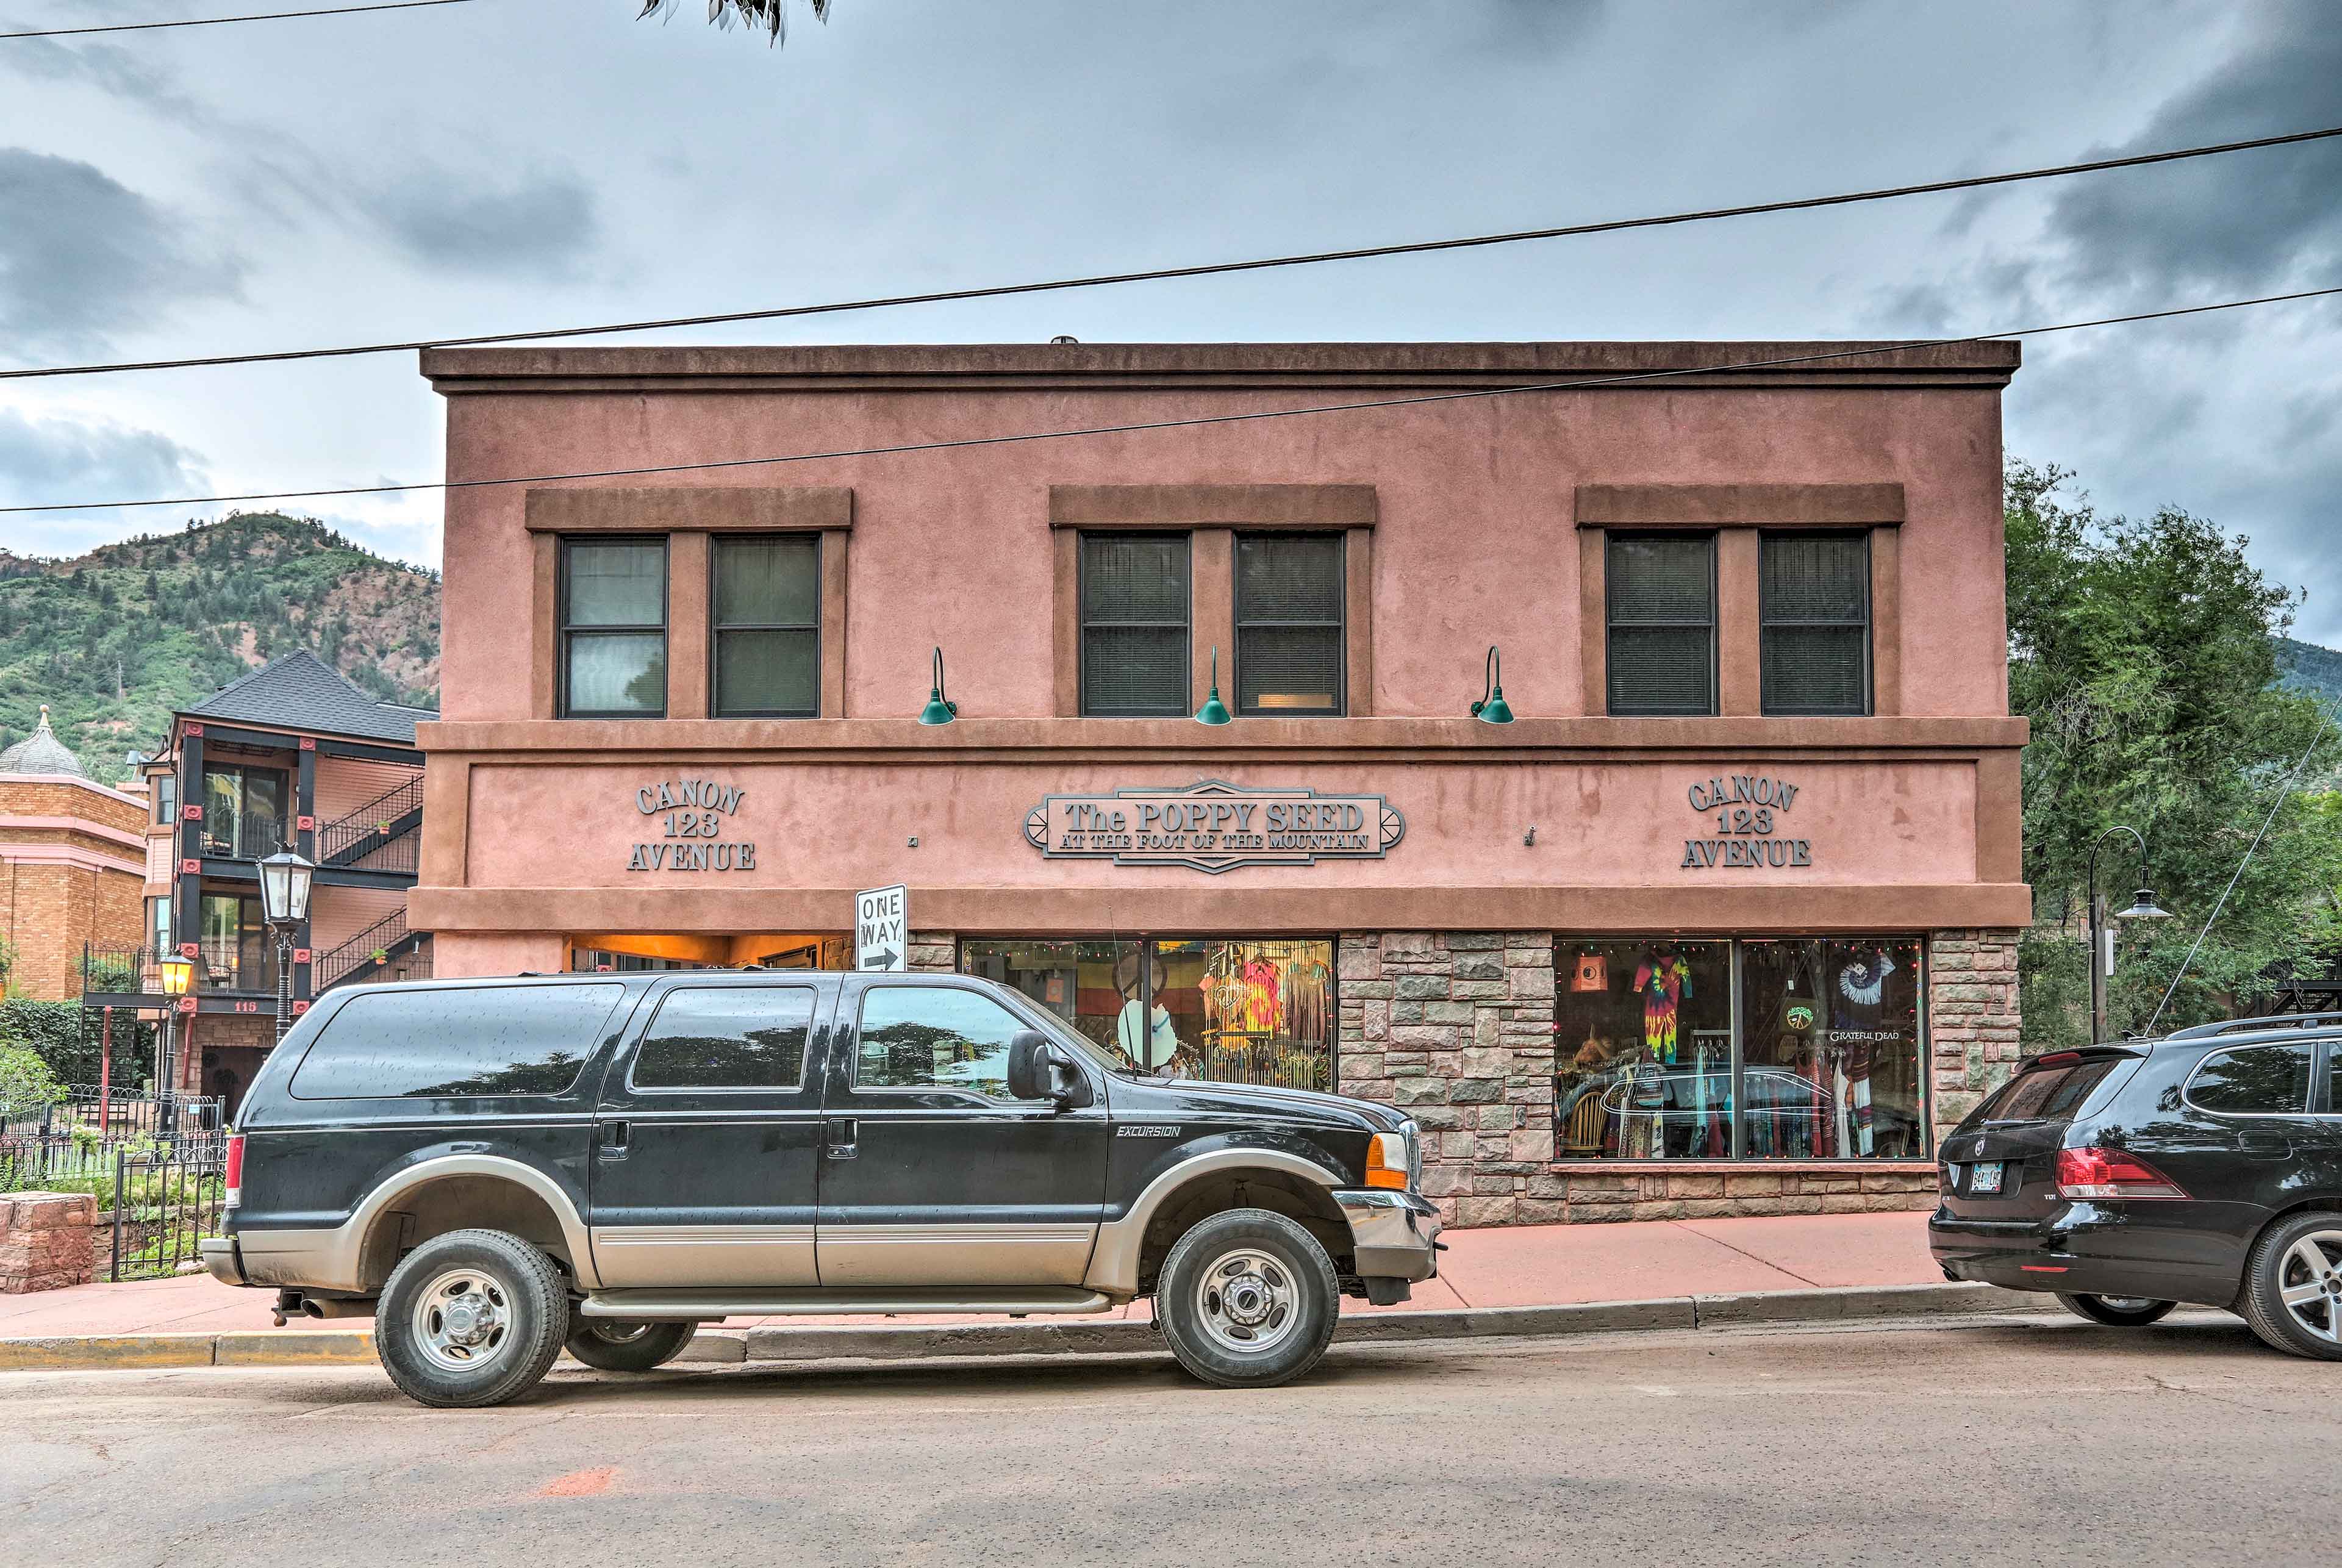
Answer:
(1492, 708)
(937, 711)
(1214, 711)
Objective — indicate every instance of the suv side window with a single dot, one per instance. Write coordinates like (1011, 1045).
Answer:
(402, 1042)
(2258, 1080)
(726, 1037)
(928, 1037)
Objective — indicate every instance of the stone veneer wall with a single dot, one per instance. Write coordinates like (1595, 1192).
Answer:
(45, 1241)
(1971, 1018)
(1455, 1029)
(933, 952)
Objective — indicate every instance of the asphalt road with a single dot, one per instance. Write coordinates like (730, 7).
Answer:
(2018, 1439)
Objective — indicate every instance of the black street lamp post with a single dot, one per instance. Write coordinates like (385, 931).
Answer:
(2102, 934)
(284, 880)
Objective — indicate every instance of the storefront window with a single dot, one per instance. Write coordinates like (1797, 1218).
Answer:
(1832, 1049)
(1825, 1064)
(1643, 1050)
(1236, 1010)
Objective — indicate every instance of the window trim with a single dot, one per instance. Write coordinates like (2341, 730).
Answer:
(2187, 1087)
(563, 632)
(716, 543)
(813, 1032)
(1339, 625)
(1611, 538)
(1868, 624)
(1082, 621)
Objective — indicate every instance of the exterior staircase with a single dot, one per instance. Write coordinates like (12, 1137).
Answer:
(405, 954)
(380, 835)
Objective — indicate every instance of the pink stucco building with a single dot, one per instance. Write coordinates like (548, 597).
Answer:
(1722, 921)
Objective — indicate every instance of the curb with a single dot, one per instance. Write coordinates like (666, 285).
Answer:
(350, 1347)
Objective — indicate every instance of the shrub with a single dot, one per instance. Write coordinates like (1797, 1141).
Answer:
(69, 1038)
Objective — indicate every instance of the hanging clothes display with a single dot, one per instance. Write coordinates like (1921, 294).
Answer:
(1663, 980)
(1859, 1011)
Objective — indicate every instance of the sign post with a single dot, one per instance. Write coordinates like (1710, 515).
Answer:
(882, 929)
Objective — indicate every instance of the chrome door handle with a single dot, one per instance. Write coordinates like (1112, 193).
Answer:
(842, 1137)
(611, 1140)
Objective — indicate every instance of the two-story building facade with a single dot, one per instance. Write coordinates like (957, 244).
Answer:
(1722, 921)
(292, 755)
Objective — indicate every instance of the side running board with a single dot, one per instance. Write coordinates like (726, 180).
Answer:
(706, 1306)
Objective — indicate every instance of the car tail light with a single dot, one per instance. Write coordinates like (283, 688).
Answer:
(1387, 1161)
(2095, 1175)
(233, 1177)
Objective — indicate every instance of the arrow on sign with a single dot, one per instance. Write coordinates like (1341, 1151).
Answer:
(882, 959)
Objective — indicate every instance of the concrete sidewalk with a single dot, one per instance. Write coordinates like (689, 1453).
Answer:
(1511, 1266)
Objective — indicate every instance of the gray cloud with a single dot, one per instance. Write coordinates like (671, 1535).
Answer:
(82, 256)
(536, 225)
(93, 459)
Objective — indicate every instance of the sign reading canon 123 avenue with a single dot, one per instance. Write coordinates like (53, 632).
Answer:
(1748, 830)
(691, 816)
(1213, 825)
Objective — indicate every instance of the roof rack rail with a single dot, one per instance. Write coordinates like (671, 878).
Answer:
(2267, 1021)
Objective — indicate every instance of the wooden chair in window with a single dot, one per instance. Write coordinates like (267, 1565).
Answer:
(1585, 1132)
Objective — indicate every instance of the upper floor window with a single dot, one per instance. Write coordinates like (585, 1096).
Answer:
(166, 787)
(1660, 591)
(765, 605)
(613, 628)
(1134, 599)
(1290, 628)
(1814, 610)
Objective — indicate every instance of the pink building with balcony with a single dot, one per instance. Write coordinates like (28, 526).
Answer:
(1722, 921)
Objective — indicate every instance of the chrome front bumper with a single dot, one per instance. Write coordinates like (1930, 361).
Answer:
(1391, 1232)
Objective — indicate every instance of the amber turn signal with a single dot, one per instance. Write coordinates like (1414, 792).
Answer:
(1387, 1161)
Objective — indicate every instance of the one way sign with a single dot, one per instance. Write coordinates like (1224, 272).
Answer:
(882, 929)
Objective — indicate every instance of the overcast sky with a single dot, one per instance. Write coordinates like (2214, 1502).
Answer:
(503, 164)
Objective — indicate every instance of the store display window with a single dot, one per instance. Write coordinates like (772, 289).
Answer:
(1804, 1048)
(1643, 1050)
(1240, 1010)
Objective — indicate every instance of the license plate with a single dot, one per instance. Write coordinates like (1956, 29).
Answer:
(1984, 1176)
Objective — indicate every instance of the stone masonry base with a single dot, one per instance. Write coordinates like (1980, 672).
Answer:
(45, 1241)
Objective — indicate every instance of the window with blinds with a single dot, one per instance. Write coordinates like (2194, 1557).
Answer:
(613, 628)
(1815, 607)
(764, 608)
(1289, 630)
(1134, 597)
(1660, 591)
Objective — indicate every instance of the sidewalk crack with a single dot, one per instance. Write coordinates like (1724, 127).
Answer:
(1744, 1252)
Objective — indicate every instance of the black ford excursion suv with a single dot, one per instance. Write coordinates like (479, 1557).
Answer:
(495, 1169)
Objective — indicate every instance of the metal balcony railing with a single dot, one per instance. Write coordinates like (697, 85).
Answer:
(379, 835)
(242, 835)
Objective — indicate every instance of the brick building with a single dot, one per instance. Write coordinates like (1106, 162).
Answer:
(71, 860)
(1721, 921)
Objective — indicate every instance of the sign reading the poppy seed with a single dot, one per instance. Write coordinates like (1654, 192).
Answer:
(692, 816)
(1749, 809)
(1212, 826)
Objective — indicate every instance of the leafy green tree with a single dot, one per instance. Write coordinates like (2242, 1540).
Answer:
(27, 1085)
(2145, 651)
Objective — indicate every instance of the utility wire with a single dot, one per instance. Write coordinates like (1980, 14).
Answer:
(2284, 793)
(1572, 384)
(223, 21)
(1208, 269)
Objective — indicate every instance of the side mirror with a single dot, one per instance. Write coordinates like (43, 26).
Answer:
(1039, 1069)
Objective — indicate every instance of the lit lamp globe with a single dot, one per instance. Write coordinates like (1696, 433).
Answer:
(284, 879)
(176, 973)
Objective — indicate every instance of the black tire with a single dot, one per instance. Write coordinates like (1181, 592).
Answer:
(615, 1344)
(523, 1303)
(2279, 1264)
(1289, 1290)
(2118, 1312)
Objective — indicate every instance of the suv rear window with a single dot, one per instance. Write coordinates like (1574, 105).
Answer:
(2264, 1081)
(2048, 1094)
(402, 1044)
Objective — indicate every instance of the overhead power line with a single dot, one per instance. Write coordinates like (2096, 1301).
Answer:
(223, 21)
(1207, 269)
(1570, 384)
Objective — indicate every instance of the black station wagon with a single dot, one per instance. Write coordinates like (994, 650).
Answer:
(495, 1169)
(2204, 1167)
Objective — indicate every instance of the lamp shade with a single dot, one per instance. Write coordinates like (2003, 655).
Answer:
(2144, 907)
(939, 709)
(1214, 711)
(1492, 708)
(284, 879)
(176, 973)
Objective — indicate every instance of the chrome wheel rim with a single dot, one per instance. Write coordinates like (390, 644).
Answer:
(2126, 1303)
(611, 1332)
(1248, 1302)
(2310, 1282)
(462, 1320)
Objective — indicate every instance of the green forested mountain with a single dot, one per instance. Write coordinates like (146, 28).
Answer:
(2310, 668)
(115, 640)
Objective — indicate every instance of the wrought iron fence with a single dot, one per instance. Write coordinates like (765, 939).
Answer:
(71, 1146)
(165, 1200)
(121, 971)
